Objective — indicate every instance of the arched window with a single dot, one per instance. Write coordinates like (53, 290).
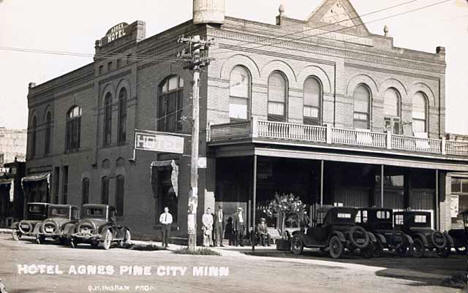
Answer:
(33, 136)
(239, 88)
(361, 107)
(73, 129)
(85, 191)
(105, 190)
(277, 93)
(419, 113)
(107, 120)
(122, 131)
(48, 131)
(312, 101)
(170, 104)
(119, 194)
(392, 110)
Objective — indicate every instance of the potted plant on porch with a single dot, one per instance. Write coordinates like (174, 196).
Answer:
(286, 208)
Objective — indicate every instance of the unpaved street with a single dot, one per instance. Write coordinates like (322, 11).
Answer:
(246, 273)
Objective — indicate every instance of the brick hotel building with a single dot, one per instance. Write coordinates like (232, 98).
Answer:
(334, 114)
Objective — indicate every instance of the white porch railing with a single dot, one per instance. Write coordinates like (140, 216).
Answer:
(330, 135)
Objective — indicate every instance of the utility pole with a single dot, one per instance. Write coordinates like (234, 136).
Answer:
(194, 55)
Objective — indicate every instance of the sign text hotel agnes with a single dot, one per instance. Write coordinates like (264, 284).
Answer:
(116, 32)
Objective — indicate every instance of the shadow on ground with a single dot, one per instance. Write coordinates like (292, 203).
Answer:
(428, 271)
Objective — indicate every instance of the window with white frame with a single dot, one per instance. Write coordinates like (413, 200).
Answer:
(419, 113)
(277, 93)
(361, 117)
(312, 101)
(239, 94)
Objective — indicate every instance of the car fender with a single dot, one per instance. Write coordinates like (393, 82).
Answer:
(340, 235)
(423, 238)
(37, 228)
(14, 225)
(102, 228)
(372, 237)
(409, 239)
(68, 229)
(381, 238)
(450, 242)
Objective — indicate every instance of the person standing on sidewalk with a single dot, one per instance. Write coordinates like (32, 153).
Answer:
(219, 226)
(166, 221)
(207, 221)
(239, 227)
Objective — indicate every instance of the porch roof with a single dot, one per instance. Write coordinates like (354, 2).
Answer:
(360, 157)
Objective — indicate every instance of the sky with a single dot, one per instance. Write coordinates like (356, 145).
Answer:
(73, 26)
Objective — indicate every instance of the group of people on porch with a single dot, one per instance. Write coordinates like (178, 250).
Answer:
(215, 229)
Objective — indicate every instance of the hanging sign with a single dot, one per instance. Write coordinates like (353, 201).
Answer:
(156, 142)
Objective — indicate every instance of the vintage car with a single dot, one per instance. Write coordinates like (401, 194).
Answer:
(36, 212)
(458, 238)
(332, 233)
(379, 221)
(58, 216)
(417, 224)
(97, 226)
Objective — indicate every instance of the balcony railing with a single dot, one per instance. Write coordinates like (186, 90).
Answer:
(283, 131)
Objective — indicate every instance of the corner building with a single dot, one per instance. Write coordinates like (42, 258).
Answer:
(334, 114)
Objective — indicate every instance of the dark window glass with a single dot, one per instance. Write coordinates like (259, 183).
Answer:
(122, 131)
(119, 194)
(277, 92)
(456, 185)
(65, 185)
(170, 104)
(48, 131)
(73, 129)
(105, 190)
(85, 191)
(33, 136)
(107, 120)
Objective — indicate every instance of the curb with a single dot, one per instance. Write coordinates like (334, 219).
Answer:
(5, 231)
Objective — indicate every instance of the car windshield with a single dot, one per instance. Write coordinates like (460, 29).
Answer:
(59, 212)
(94, 212)
(36, 209)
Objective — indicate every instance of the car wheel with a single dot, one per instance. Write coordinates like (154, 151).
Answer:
(359, 237)
(419, 248)
(439, 240)
(296, 245)
(106, 243)
(16, 235)
(335, 247)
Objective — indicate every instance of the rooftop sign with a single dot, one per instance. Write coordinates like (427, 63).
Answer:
(116, 32)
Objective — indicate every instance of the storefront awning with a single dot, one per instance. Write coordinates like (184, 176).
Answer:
(174, 172)
(36, 178)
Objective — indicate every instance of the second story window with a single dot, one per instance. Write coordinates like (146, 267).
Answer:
(419, 113)
(312, 101)
(170, 104)
(105, 190)
(277, 93)
(48, 131)
(392, 111)
(107, 131)
(33, 136)
(122, 130)
(239, 89)
(73, 129)
(361, 117)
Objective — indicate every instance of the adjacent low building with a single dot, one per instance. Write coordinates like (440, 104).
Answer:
(321, 108)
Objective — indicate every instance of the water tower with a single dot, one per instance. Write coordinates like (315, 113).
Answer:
(208, 11)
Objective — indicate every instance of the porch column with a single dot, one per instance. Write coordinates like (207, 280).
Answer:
(382, 174)
(436, 206)
(254, 200)
(322, 167)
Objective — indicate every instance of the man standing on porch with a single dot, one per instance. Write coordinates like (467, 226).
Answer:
(166, 221)
(207, 221)
(239, 227)
(219, 226)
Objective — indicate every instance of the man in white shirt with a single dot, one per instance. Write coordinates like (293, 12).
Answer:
(166, 221)
(207, 221)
